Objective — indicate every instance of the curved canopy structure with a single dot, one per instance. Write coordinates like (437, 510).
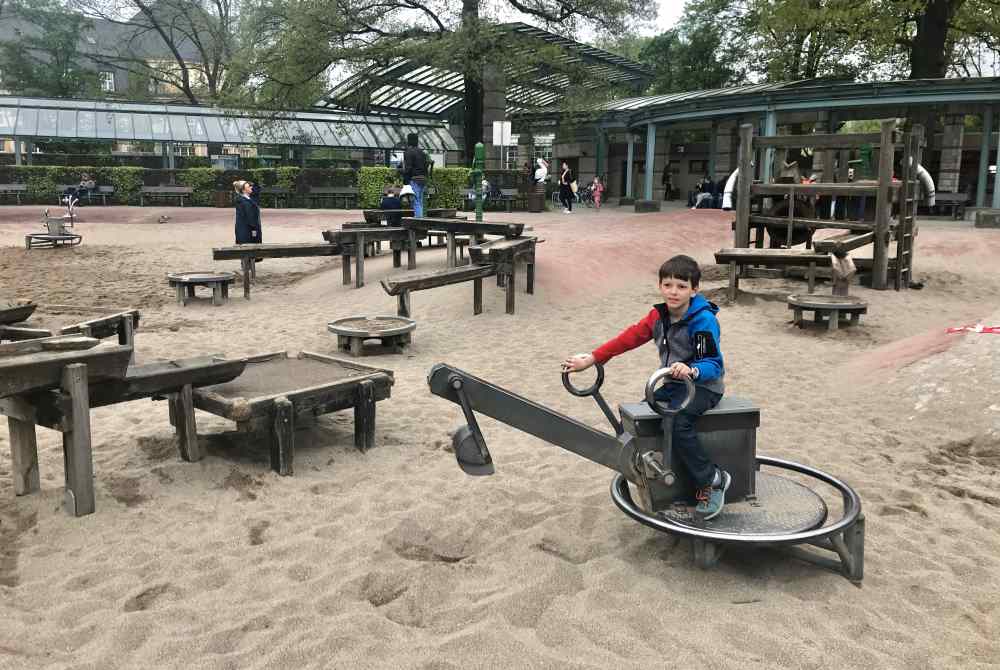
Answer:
(408, 87)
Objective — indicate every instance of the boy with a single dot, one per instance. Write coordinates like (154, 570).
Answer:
(391, 201)
(687, 337)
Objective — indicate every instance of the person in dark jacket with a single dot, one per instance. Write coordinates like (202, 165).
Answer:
(415, 172)
(391, 201)
(247, 214)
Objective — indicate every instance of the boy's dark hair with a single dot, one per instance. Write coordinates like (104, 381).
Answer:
(682, 267)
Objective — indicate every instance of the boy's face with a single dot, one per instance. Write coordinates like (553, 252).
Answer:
(676, 292)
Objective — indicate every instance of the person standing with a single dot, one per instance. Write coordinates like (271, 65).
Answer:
(247, 214)
(597, 190)
(566, 188)
(415, 172)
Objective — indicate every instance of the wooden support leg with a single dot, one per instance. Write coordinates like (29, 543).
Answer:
(812, 277)
(357, 346)
(126, 336)
(451, 261)
(283, 441)
(734, 281)
(797, 316)
(247, 263)
(182, 406)
(181, 295)
(217, 293)
(364, 416)
(411, 250)
(343, 343)
(23, 456)
(530, 278)
(225, 291)
(359, 262)
(78, 498)
(190, 290)
(833, 323)
(511, 286)
(855, 318)
(403, 307)
(818, 316)
(477, 296)
(397, 258)
(345, 263)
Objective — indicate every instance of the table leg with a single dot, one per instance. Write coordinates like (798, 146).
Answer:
(451, 250)
(403, 306)
(78, 459)
(734, 281)
(411, 251)
(834, 320)
(364, 416)
(247, 263)
(182, 406)
(797, 316)
(23, 456)
(190, 291)
(477, 296)
(511, 286)
(345, 263)
(359, 261)
(181, 295)
(812, 277)
(225, 291)
(397, 258)
(283, 441)
(357, 346)
(217, 293)
(855, 318)
(530, 277)
(126, 335)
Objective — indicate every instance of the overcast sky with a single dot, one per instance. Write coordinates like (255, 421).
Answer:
(670, 12)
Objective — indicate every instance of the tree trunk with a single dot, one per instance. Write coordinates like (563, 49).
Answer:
(473, 80)
(929, 57)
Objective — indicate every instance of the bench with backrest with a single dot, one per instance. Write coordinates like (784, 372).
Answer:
(345, 196)
(512, 198)
(165, 193)
(102, 192)
(15, 190)
(955, 202)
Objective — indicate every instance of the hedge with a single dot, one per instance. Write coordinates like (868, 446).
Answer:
(372, 181)
(447, 187)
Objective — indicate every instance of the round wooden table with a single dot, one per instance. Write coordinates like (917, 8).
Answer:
(827, 307)
(185, 283)
(393, 332)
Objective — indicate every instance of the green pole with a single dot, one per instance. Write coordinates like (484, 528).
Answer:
(478, 163)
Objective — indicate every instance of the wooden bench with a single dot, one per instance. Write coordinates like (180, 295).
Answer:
(13, 189)
(739, 260)
(843, 242)
(346, 195)
(955, 202)
(402, 286)
(165, 193)
(102, 192)
(247, 253)
(353, 241)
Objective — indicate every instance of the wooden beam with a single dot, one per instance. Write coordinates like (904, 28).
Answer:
(77, 454)
(883, 209)
(742, 237)
(24, 456)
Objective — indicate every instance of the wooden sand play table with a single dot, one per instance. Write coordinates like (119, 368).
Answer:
(276, 391)
(185, 283)
(828, 307)
(392, 332)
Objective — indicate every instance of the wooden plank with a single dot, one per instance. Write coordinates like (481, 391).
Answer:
(814, 224)
(21, 374)
(287, 250)
(48, 344)
(822, 188)
(24, 456)
(77, 454)
(770, 256)
(844, 242)
(467, 227)
(105, 326)
(395, 285)
(883, 207)
(742, 236)
(364, 416)
(182, 406)
(19, 333)
(283, 440)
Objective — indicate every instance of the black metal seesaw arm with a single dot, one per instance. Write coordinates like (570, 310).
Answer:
(617, 452)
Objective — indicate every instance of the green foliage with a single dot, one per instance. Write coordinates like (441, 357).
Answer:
(126, 180)
(202, 180)
(448, 186)
(287, 177)
(372, 181)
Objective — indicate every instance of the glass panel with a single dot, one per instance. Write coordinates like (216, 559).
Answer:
(8, 119)
(143, 128)
(214, 129)
(310, 128)
(160, 127)
(67, 123)
(105, 123)
(27, 121)
(328, 132)
(179, 129)
(247, 132)
(48, 122)
(230, 129)
(86, 124)
(196, 128)
(123, 126)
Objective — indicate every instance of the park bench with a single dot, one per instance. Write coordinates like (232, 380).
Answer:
(246, 253)
(102, 192)
(277, 194)
(165, 193)
(740, 259)
(346, 196)
(403, 285)
(13, 189)
(954, 202)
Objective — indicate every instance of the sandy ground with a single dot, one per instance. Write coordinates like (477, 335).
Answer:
(395, 559)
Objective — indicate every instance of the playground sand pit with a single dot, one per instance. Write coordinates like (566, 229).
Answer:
(395, 559)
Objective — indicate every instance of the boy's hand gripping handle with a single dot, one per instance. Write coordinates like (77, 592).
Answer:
(595, 390)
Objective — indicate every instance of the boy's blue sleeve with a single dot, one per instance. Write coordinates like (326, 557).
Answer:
(704, 333)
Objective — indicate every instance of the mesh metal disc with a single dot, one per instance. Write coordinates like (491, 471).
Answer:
(781, 506)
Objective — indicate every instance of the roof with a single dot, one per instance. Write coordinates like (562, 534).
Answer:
(123, 121)
(407, 86)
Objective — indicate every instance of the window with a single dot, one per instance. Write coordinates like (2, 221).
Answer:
(107, 80)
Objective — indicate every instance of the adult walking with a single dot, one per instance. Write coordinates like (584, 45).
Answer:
(247, 214)
(566, 195)
(415, 172)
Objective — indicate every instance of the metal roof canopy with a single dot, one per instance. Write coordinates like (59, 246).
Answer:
(127, 122)
(406, 86)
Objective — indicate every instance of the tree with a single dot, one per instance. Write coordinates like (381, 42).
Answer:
(198, 35)
(43, 59)
(297, 41)
(687, 62)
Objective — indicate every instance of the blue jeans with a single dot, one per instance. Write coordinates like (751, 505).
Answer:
(686, 448)
(418, 197)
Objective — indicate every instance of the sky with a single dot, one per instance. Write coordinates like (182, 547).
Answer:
(670, 12)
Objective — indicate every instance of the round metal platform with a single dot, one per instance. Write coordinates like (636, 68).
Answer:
(844, 303)
(371, 326)
(778, 520)
(780, 506)
(202, 277)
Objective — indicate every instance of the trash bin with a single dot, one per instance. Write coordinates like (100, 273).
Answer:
(536, 199)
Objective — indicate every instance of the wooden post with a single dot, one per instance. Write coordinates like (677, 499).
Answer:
(181, 295)
(246, 262)
(511, 286)
(411, 251)
(403, 304)
(182, 410)
(77, 456)
(812, 277)
(126, 335)
(450, 256)
(734, 280)
(359, 260)
(364, 416)
(345, 263)
(743, 194)
(477, 296)
(23, 456)
(530, 278)
(357, 346)
(883, 208)
(397, 258)
(283, 442)
(833, 322)
(217, 293)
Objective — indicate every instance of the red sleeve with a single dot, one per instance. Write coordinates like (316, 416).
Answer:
(630, 338)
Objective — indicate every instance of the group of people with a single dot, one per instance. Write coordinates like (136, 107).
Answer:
(73, 194)
(567, 184)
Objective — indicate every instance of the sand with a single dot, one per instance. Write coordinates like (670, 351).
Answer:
(396, 559)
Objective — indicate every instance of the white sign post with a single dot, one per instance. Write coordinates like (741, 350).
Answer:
(501, 138)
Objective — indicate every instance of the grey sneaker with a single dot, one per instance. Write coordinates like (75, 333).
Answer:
(712, 498)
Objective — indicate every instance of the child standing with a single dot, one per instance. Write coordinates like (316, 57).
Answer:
(686, 333)
(597, 190)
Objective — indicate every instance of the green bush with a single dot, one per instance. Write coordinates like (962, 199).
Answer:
(202, 180)
(126, 180)
(448, 187)
(371, 183)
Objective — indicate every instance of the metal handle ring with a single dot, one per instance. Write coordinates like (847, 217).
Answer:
(662, 408)
(590, 390)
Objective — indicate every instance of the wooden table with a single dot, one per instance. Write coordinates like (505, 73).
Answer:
(246, 253)
(829, 306)
(185, 283)
(275, 391)
(453, 227)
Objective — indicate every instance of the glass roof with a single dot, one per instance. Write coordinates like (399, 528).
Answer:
(82, 119)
